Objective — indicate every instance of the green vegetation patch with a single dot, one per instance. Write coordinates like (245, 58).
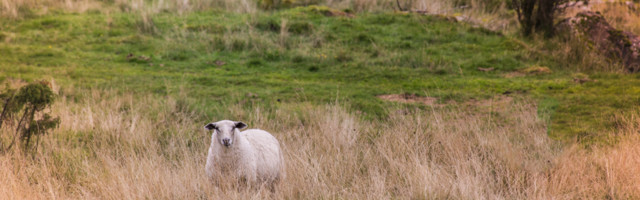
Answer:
(306, 54)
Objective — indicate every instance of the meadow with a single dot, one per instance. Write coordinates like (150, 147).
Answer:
(479, 112)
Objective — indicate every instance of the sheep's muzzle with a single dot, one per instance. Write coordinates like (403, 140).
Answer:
(226, 142)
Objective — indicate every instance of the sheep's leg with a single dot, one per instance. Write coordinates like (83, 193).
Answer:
(272, 184)
(242, 184)
(272, 187)
(215, 181)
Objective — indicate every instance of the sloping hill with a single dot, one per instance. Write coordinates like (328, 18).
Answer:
(309, 54)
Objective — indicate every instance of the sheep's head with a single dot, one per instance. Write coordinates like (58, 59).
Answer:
(225, 131)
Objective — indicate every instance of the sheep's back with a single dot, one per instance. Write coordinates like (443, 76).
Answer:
(268, 154)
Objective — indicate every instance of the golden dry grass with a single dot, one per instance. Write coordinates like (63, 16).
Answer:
(117, 146)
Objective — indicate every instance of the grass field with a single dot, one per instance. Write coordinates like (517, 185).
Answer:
(301, 55)
(135, 90)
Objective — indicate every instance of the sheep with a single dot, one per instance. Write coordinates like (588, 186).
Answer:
(252, 156)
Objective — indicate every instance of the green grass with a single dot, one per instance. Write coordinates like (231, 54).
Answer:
(320, 59)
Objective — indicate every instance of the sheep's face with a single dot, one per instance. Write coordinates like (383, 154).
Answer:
(225, 131)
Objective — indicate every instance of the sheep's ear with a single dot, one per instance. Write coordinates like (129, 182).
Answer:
(210, 126)
(241, 125)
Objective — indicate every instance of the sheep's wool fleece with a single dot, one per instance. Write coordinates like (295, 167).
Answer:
(254, 155)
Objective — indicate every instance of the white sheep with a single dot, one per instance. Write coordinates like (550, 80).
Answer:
(253, 155)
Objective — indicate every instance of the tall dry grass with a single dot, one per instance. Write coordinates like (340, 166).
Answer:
(603, 172)
(121, 146)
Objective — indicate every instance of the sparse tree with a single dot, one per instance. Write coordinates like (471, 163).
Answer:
(537, 15)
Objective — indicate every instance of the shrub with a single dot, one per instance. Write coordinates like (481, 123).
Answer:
(30, 100)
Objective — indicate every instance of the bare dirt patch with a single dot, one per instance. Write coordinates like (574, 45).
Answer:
(408, 98)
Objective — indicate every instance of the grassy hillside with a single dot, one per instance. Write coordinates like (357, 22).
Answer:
(306, 55)
(498, 120)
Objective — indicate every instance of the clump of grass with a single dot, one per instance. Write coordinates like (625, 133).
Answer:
(580, 54)
(146, 23)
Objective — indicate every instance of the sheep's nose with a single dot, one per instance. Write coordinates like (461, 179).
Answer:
(226, 141)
